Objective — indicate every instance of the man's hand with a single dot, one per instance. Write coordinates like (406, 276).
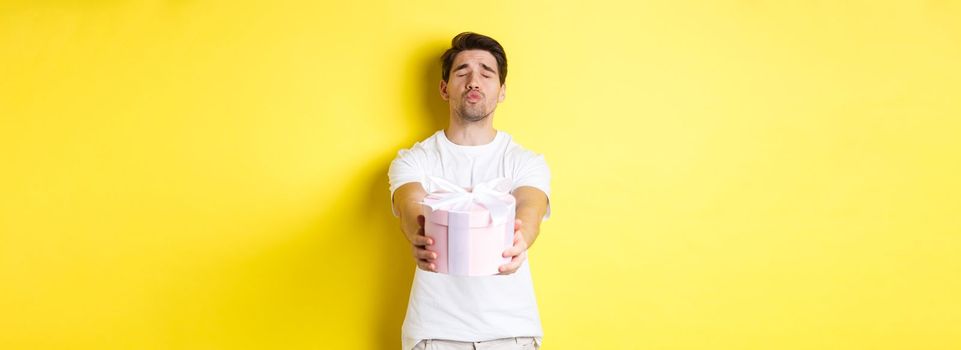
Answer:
(531, 207)
(406, 200)
(420, 247)
(517, 253)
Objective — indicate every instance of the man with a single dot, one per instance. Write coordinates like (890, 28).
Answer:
(478, 312)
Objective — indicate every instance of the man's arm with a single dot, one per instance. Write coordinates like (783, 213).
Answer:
(405, 201)
(531, 207)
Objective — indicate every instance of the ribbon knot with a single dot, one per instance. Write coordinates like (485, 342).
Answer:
(458, 199)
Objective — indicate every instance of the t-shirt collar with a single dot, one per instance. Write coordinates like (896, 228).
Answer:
(470, 149)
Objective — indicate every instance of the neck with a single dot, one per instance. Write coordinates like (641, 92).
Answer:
(465, 133)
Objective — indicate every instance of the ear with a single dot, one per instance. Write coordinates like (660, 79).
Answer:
(502, 94)
(443, 90)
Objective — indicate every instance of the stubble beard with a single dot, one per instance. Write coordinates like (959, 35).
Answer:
(472, 114)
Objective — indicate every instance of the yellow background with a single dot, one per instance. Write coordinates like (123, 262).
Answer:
(726, 175)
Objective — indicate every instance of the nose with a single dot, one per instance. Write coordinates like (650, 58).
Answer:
(473, 83)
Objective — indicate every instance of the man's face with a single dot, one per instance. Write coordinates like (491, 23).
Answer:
(473, 88)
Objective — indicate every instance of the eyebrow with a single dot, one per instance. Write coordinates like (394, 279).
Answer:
(486, 67)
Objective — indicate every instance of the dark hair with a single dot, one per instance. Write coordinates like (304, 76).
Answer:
(473, 41)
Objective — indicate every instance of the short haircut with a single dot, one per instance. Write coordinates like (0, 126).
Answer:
(473, 41)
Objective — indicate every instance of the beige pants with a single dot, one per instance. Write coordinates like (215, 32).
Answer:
(518, 343)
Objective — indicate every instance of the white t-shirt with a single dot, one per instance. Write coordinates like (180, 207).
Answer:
(474, 308)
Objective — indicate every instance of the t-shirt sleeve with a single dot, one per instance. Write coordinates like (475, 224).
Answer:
(535, 173)
(404, 169)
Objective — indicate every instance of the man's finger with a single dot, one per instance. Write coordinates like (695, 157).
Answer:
(426, 265)
(424, 254)
(519, 246)
(519, 239)
(509, 268)
(512, 252)
(516, 249)
(512, 266)
(421, 240)
(519, 236)
(517, 225)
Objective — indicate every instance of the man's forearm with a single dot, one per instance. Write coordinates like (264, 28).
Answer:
(531, 207)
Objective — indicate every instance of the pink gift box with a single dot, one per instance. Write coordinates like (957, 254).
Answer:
(467, 240)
